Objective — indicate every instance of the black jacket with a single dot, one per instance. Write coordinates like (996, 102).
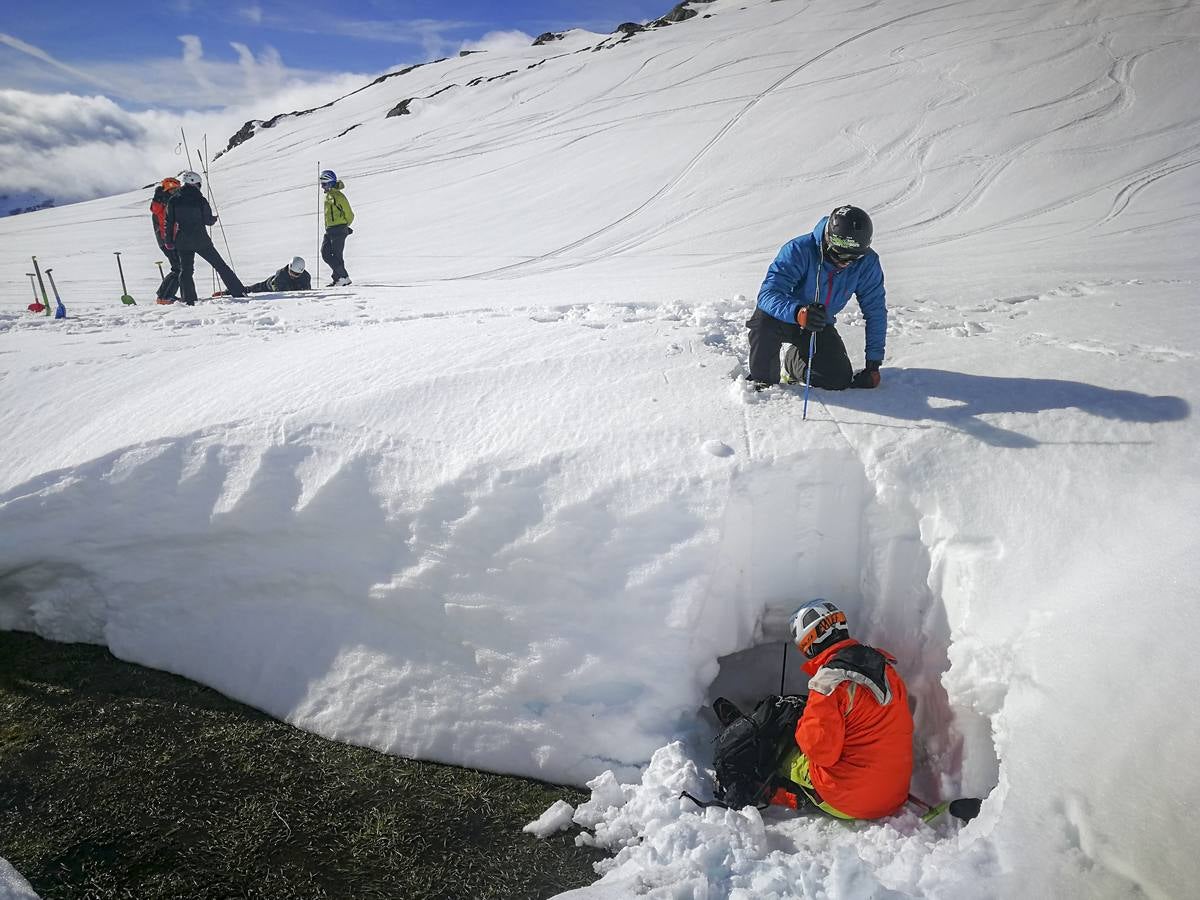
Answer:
(283, 280)
(188, 215)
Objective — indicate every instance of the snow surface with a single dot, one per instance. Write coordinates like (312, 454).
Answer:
(12, 885)
(504, 502)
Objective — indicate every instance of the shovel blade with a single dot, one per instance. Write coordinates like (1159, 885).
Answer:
(127, 300)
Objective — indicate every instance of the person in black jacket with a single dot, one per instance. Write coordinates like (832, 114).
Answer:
(188, 218)
(291, 277)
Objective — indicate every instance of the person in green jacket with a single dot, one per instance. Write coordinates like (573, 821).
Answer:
(338, 216)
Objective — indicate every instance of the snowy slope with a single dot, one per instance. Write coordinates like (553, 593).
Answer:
(501, 502)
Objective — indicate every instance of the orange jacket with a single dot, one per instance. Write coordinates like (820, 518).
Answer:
(158, 212)
(857, 730)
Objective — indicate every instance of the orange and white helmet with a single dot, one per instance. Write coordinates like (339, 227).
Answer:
(818, 625)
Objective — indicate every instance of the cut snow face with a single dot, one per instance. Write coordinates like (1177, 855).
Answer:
(506, 502)
(832, 534)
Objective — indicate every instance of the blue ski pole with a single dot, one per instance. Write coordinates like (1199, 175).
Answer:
(812, 343)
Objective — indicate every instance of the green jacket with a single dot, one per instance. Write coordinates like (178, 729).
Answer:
(337, 207)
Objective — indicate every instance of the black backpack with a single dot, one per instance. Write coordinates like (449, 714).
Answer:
(751, 748)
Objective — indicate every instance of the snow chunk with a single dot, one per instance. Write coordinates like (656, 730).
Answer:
(556, 818)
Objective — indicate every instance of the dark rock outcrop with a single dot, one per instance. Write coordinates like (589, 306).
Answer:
(254, 126)
(679, 13)
(547, 36)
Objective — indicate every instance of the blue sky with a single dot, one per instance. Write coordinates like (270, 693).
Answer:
(97, 47)
(102, 89)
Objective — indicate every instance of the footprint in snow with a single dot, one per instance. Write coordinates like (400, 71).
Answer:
(717, 448)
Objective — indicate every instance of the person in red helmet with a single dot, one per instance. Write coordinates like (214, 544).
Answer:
(169, 285)
(853, 754)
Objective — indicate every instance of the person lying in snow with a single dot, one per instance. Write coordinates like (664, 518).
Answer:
(291, 277)
(809, 283)
(845, 749)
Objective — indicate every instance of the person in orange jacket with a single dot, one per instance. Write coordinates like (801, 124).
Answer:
(158, 217)
(853, 755)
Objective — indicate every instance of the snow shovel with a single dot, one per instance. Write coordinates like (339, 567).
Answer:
(125, 298)
(60, 311)
(35, 306)
(42, 285)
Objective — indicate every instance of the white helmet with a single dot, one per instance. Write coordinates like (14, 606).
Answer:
(296, 266)
(815, 627)
(190, 178)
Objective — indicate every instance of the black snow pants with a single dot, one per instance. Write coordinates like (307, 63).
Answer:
(831, 367)
(207, 252)
(331, 250)
(169, 286)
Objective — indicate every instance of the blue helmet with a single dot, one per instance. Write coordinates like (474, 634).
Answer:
(328, 178)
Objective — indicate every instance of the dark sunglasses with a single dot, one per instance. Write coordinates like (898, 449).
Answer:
(842, 256)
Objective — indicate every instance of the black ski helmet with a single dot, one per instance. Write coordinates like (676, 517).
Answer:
(848, 233)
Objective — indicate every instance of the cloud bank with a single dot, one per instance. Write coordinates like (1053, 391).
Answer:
(499, 40)
(71, 145)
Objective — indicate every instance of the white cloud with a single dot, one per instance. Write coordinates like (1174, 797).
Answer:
(75, 147)
(252, 14)
(500, 40)
(193, 59)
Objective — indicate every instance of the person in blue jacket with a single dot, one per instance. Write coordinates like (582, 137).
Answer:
(809, 283)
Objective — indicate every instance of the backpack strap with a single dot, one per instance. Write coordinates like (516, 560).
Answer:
(858, 664)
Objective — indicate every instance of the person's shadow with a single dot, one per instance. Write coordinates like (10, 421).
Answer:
(958, 399)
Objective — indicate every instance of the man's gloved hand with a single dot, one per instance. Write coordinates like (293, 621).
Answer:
(811, 317)
(169, 246)
(868, 377)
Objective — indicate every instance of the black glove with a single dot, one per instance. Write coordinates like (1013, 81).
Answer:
(812, 317)
(868, 377)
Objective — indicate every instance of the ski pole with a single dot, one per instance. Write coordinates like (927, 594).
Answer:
(213, 203)
(812, 342)
(158, 263)
(35, 306)
(125, 298)
(812, 338)
(212, 198)
(41, 284)
(187, 154)
(320, 222)
(60, 311)
(783, 669)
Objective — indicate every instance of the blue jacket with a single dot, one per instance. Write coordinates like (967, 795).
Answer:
(791, 283)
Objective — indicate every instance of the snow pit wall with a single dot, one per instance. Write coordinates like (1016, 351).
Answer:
(280, 571)
(790, 537)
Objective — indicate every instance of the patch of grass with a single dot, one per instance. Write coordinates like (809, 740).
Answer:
(118, 781)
